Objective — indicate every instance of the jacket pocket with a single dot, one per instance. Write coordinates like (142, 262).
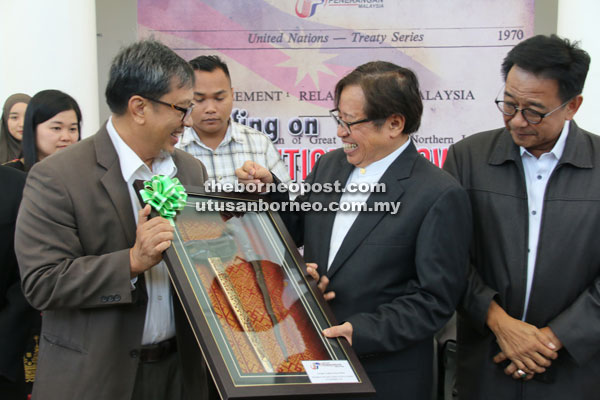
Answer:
(61, 342)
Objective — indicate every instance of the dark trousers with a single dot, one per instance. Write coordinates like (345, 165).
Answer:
(18, 390)
(159, 380)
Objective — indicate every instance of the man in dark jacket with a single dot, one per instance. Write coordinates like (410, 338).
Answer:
(529, 326)
(396, 276)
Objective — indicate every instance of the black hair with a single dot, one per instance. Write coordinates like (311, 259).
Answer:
(389, 90)
(209, 64)
(146, 68)
(551, 57)
(43, 106)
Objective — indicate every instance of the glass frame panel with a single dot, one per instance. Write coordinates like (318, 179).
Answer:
(255, 311)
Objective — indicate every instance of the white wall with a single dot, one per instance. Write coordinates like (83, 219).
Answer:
(51, 44)
(578, 20)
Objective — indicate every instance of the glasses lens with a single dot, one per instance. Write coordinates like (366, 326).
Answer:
(506, 108)
(188, 112)
(531, 116)
(346, 127)
(334, 114)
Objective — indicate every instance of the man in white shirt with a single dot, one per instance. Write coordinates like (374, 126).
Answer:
(394, 279)
(220, 143)
(111, 328)
(530, 318)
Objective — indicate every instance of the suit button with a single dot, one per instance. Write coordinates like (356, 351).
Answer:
(133, 353)
(111, 298)
(104, 299)
(117, 297)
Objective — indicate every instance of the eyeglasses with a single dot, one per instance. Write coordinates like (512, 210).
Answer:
(346, 125)
(531, 116)
(186, 111)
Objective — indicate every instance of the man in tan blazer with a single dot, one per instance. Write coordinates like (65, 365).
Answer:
(111, 327)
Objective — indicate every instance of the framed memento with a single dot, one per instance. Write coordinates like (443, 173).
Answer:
(257, 315)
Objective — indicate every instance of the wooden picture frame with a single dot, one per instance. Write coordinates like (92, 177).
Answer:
(256, 313)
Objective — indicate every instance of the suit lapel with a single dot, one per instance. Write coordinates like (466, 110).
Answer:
(113, 183)
(399, 170)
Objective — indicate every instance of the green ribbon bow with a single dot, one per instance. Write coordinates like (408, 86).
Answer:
(166, 195)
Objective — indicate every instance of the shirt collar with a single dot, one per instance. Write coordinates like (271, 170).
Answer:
(236, 133)
(130, 162)
(559, 146)
(189, 135)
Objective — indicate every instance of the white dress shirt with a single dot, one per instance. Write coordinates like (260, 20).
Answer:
(160, 321)
(344, 220)
(537, 172)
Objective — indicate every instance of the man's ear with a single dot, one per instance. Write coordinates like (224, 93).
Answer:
(136, 107)
(573, 106)
(396, 125)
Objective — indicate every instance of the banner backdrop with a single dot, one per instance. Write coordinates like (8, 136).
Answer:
(285, 57)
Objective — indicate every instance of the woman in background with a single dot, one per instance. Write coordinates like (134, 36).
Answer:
(11, 130)
(52, 122)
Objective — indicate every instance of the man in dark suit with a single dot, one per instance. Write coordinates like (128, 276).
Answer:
(394, 278)
(17, 318)
(111, 327)
(529, 327)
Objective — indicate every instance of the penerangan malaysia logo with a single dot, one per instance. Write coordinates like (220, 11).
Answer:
(307, 8)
